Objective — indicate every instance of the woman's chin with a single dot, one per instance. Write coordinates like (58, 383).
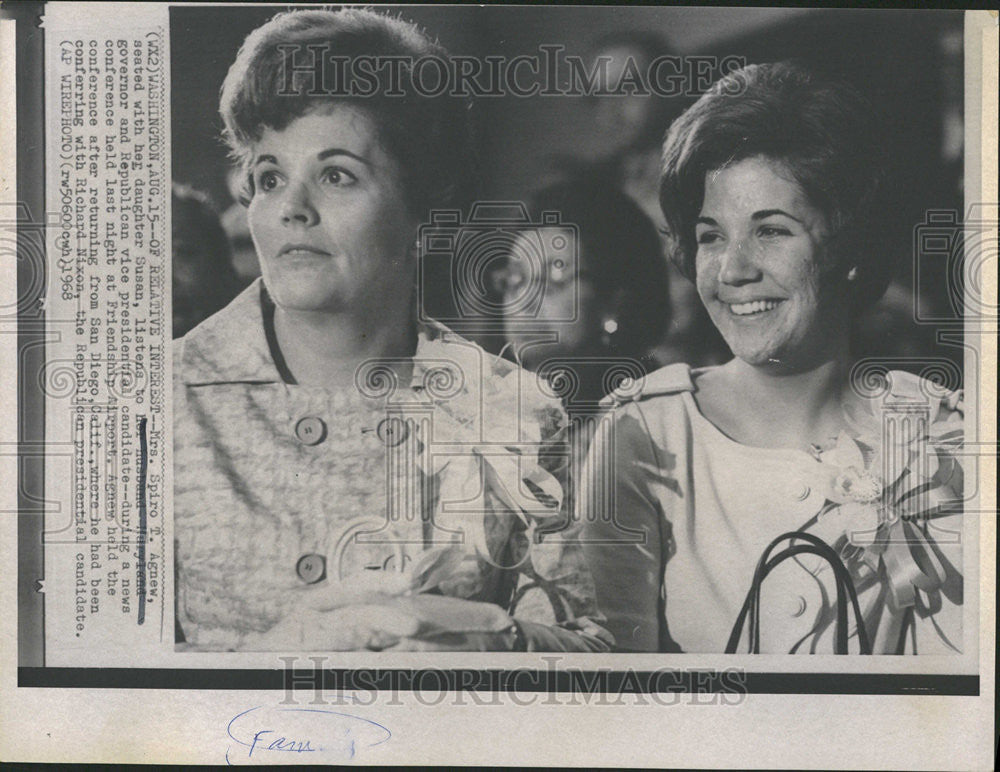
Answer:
(770, 349)
(767, 357)
(311, 302)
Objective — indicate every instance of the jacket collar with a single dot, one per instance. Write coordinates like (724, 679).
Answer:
(231, 346)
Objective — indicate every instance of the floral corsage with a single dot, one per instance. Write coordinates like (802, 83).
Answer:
(897, 471)
(490, 422)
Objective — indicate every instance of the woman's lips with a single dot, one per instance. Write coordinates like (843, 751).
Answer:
(753, 307)
(302, 250)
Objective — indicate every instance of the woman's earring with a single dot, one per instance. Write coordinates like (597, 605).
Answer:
(853, 273)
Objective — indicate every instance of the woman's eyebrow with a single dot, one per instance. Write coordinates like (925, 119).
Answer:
(765, 213)
(324, 154)
(706, 220)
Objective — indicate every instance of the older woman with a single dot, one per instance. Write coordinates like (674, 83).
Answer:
(345, 476)
(767, 503)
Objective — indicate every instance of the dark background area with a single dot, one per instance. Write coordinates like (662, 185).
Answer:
(908, 62)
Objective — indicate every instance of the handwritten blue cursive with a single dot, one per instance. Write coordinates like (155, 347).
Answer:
(326, 735)
(281, 744)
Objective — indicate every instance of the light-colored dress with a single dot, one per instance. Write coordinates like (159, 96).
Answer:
(280, 488)
(674, 540)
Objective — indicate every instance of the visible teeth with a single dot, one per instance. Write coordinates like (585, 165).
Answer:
(753, 307)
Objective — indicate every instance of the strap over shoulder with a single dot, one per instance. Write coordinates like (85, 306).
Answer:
(671, 379)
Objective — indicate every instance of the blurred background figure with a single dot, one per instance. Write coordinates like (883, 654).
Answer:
(631, 126)
(604, 301)
(629, 130)
(888, 326)
(234, 222)
(203, 277)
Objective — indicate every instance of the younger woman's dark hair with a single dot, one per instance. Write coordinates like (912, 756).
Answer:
(300, 61)
(820, 130)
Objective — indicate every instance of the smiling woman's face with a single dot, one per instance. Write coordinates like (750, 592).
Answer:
(762, 268)
(329, 217)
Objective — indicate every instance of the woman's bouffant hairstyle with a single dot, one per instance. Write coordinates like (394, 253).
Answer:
(820, 130)
(300, 61)
(621, 251)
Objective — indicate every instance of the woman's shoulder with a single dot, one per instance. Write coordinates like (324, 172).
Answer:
(438, 342)
(457, 369)
(665, 383)
(945, 398)
(656, 406)
(900, 391)
(230, 345)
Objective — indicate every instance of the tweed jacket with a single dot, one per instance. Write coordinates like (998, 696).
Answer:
(280, 487)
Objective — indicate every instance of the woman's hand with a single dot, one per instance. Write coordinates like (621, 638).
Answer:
(362, 588)
(503, 641)
(349, 617)
(455, 624)
(347, 628)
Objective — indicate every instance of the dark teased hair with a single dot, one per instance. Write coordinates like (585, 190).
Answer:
(621, 249)
(429, 136)
(821, 130)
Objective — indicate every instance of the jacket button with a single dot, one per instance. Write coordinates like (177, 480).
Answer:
(311, 568)
(392, 431)
(310, 430)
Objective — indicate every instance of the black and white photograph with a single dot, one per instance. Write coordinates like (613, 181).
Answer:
(722, 272)
(580, 364)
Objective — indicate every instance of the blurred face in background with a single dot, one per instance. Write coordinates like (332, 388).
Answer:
(568, 309)
(192, 300)
(623, 120)
(202, 275)
(234, 221)
(762, 267)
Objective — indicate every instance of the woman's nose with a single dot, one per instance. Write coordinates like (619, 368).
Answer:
(297, 206)
(738, 266)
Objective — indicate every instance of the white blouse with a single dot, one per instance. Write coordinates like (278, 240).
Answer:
(674, 541)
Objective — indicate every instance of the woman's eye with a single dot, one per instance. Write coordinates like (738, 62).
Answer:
(768, 231)
(267, 180)
(335, 175)
(707, 237)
